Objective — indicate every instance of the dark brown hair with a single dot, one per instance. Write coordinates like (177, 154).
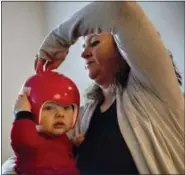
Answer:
(178, 75)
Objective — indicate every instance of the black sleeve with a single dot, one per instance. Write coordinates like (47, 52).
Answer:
(24, 115)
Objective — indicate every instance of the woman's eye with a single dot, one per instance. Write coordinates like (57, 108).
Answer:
(95, 43)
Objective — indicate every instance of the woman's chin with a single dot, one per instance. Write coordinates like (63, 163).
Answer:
(93, 75)
(98, 80)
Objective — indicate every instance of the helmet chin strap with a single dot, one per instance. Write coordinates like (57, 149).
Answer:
(75, 114)
(39, 117)
(40, 65)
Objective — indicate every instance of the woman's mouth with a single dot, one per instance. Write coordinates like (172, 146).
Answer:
(89, 63)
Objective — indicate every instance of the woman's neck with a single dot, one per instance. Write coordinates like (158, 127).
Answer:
(109, 98)
(109, 94)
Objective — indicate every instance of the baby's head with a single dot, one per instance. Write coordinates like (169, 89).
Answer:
(55, 102)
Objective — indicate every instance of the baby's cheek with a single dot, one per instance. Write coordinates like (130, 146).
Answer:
(48, 122)
(47, 125)
(69, 124)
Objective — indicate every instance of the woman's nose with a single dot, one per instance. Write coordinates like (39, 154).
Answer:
(86, 54)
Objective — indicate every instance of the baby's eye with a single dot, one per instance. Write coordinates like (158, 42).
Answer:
(95, 43)
(67, 107)
(48, 108)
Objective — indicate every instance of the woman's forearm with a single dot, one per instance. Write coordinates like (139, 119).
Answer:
(96, 17)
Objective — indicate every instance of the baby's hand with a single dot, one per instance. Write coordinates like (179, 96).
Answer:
(22, 103)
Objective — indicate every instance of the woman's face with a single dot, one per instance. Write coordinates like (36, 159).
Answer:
(101, 57)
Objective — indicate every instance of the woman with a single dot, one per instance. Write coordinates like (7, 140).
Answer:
(136, 120)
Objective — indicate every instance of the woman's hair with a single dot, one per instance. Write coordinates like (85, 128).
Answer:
(94, 92)
(178, 75)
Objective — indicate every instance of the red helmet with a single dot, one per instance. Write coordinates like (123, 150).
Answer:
(51, 86)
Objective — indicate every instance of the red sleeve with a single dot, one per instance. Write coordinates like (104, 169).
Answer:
(24, 135)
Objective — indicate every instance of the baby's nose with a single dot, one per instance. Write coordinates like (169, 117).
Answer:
(59, 115)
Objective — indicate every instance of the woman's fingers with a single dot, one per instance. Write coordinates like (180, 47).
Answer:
(49, 61)
(51, 65)
(40, 65)
(35, 63)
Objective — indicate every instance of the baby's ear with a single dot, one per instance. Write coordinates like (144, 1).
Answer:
(25, 89)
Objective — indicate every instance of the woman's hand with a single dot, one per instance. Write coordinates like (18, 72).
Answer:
(41, 65)
(50, 55)
(22, 103)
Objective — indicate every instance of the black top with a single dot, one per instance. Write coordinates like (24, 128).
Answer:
(104, 150)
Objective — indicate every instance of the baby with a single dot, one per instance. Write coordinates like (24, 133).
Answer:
(44, 113)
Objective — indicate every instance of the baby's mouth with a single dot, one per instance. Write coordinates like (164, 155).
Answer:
(58, 125)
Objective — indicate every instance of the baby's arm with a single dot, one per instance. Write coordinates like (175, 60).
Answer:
(24, 135)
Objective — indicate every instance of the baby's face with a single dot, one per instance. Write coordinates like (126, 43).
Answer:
(56, 119)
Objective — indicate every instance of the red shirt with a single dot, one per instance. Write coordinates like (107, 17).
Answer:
(38, 155)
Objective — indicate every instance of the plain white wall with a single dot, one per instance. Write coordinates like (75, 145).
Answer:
(22, 33)
(24, 25)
